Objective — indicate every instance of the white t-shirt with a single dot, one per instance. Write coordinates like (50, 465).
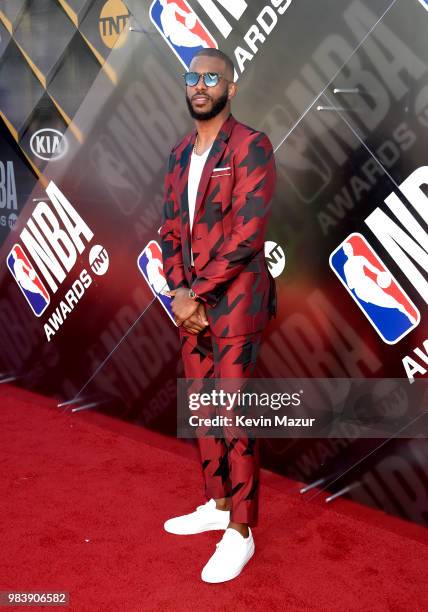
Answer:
(197, 163)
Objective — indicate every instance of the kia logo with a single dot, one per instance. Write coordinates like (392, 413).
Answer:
(48, 144)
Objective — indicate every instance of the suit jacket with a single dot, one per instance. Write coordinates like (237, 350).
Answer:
(229, 226)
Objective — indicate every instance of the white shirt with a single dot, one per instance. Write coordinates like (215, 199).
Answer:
(197, 163)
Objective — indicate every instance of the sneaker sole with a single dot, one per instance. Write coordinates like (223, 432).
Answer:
(211, 527)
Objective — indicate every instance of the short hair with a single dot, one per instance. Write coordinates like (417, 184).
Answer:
(211, 52)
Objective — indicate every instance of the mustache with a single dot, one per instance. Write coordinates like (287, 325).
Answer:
(200, 96)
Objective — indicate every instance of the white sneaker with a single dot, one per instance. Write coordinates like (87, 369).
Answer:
(232, 553)
(205, 518)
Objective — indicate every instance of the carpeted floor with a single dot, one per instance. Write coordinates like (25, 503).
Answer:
(84, 498)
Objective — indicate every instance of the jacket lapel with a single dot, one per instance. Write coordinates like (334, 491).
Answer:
(183, 162)
(214, 156)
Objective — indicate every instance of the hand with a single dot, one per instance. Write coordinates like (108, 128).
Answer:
(182, 306)
(197, 321)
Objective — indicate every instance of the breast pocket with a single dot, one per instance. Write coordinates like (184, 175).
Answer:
(221, 171)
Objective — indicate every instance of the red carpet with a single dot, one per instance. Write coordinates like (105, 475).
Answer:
(65, 479)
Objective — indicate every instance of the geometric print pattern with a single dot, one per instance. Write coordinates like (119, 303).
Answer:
(231, 215)
(230, 465)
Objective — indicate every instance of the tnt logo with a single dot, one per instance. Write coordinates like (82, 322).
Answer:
(113, 19)
(275, 257)
(181, 28)
(151, 267)
(377, 293)
(28, 280)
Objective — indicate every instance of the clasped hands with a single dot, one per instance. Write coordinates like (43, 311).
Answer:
(187, 312)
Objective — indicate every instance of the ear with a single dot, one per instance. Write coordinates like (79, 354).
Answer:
(232, 90)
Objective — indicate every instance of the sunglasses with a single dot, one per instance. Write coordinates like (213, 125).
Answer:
(210, 78)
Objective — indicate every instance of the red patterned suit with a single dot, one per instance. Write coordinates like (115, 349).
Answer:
(230, 275)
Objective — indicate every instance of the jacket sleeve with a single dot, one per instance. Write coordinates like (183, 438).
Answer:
(170, 235)
(255, 179)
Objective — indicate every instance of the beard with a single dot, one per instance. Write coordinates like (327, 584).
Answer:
(217, 107)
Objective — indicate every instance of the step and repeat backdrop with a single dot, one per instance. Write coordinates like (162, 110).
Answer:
(91, 102)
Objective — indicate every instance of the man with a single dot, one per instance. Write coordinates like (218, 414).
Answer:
(217, 198)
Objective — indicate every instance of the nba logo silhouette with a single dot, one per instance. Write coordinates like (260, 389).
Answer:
(181, 28)
(378, 294)
(151, 267)
(28, 280)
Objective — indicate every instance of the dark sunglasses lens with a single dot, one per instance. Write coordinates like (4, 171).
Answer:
(191, 78)
(211, 79)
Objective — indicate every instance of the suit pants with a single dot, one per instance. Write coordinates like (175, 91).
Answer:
(230, 465)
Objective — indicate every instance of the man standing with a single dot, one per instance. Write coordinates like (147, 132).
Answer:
(217, 198)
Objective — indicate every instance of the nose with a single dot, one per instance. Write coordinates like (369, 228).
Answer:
(200, 85)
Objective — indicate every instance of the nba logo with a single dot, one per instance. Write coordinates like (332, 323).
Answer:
(375, 290)
(181, 28)
(151, 267)
(28, 280)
